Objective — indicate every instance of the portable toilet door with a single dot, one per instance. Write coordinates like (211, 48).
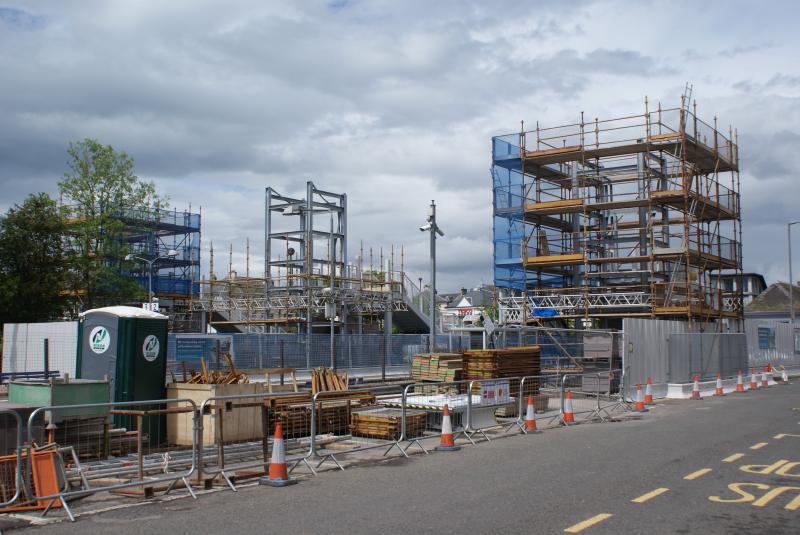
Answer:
(129, 345)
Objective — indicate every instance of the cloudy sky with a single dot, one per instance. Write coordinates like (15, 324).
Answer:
(394, 103)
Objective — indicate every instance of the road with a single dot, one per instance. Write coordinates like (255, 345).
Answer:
(723, 465)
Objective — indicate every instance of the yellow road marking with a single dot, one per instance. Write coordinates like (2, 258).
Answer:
(589, 522)
(650, 495)
(732, 458)
(784, 435)
(695, 475)
(758, 446)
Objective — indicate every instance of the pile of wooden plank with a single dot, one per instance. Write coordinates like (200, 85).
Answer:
(437, 367)
(500, 363)
(327, 380)
(333, 412)
(213, 377)
(385, 423)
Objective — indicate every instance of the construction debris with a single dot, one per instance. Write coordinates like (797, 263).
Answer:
(327, 380)
(217, 377)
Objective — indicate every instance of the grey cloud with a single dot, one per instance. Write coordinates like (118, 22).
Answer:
(394, 103)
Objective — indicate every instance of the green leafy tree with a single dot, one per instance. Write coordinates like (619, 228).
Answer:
(33, 268)
(103, 196)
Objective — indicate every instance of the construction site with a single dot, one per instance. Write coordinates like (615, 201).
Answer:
(615, 244)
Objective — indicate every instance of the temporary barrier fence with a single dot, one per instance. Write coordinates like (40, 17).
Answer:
(430, 398)
(234, 433)
(126, 448)
(78, 450)
(593, 395)
(350, 421)
(11, 464)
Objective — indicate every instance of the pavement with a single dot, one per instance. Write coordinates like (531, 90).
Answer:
(720, 465)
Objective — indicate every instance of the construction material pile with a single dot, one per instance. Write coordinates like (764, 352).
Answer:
(437, 367)
(500, 363)
(214, 377)
(333, 412)
(385, 424)
(327, 380)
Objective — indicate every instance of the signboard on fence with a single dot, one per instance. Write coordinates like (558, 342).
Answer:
(190, 347)
(495, 391)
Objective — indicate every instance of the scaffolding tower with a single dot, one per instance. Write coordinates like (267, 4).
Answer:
(605, 219)
(153, 234)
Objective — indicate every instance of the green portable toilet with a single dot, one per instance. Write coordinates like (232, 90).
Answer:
(128, 345)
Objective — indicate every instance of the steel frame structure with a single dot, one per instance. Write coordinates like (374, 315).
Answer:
(307, 280)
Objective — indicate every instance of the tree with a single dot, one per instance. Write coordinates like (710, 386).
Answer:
(102, 196)
(32, 262)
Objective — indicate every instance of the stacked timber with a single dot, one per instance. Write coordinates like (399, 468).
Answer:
(437, 367)
(500, 363)
(385, 424)
(333, 412)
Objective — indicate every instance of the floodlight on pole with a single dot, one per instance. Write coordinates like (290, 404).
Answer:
(791, 281)
(431, 226)
(171, 253)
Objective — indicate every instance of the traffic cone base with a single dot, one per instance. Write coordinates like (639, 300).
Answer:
(447, 442)
(277, 482)
(278, 475)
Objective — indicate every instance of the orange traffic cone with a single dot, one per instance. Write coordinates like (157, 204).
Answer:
(530, 417)
(764, 380)
(639, 406)
(753, 382)
(447, 442)
(769, 367)
(648, 392)
(718, 391)
(568, 418)
(696, 388)
(278, 474)
(740, 383)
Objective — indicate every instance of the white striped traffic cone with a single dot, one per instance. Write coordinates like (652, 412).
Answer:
(740, 383)
(696, 388)
(278, 474)
(530, 418)
(447, 442)
(718, 390)
(639, 406)
(784, 377)
(753, 381)
(568, 418)
(764, 380)
(648, 392)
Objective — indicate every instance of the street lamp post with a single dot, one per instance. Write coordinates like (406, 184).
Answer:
(433, 228)
(172, 253)
(791, 283)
